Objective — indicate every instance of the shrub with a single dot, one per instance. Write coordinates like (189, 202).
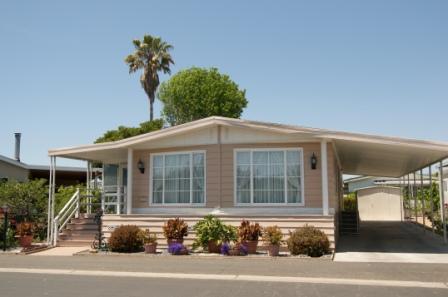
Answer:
(10, 236)
(127, 239)
(148, 237)
(308, 240)
(349, 202)
(272, 235)
(248, 231)
(175, 229)
(211, 229)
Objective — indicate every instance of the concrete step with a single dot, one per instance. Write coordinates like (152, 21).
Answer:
(77, 237)
(82, 221)
(72, 226)
(80, 242)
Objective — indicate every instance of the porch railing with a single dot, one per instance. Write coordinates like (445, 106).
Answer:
(112, 202)
(70, 209)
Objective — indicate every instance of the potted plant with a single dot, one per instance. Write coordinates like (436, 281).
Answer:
(150, 242)
(249, 234)
(237, 249)
(272, 237)
(175, 230)
(25, 232)
(211, 233)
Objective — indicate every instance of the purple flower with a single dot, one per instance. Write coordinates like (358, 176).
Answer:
(225, 248)
(176, 248)
(243, 249)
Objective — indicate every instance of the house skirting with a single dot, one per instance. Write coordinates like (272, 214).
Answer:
(286, 222)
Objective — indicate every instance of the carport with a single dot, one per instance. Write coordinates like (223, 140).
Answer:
(405, 159)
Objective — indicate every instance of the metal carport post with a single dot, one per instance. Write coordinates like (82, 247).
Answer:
(442, 201)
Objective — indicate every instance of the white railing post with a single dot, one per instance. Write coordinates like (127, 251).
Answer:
(102, 199)
(55, 231)
(118, 200)
(78, 203)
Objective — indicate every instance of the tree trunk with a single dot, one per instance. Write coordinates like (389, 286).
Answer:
(151, 110)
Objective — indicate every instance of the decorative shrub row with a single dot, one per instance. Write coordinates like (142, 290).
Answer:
(216, 237)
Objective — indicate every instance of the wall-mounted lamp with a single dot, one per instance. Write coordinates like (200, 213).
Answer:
(141, 166)
(313, 161)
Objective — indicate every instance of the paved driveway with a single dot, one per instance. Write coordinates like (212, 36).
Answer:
(392, 242)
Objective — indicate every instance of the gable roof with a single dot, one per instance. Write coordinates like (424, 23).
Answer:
(358, 153)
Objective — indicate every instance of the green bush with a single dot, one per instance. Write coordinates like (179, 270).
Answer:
(212, 229)
(10, 236)
(27, 202)
(309, 241)
(127, 239)
(349, 202)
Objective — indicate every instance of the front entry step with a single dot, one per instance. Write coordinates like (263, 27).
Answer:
(79, 232)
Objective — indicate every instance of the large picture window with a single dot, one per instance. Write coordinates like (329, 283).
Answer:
(178, 178)
(269, 176)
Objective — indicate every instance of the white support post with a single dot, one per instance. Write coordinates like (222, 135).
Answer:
(49, 222)
(54, 231)
(401, 199)
(409, 198)
(129, 181)
(431, 202)
(324, 167)
(422, 196)
(442, 201)
(414, 193)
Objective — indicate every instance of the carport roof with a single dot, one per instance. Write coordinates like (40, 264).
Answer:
(358, 154)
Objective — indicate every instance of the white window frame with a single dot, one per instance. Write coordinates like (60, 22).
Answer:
(252, 203)
(151, 181)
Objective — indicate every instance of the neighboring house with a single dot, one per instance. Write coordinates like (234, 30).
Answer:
(264, 172)
(14, 169)
(360, 182)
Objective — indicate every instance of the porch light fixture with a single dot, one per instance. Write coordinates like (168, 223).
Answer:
(141, 166)
(313, 162)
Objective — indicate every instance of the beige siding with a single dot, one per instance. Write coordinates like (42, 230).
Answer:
(220, 179)
(141, 185)
(12, 172)
(155, 222)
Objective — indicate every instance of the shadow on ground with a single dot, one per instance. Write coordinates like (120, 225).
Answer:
(392, 237)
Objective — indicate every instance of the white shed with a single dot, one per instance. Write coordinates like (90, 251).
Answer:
(380, 203)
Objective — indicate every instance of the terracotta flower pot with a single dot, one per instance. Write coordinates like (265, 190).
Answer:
(151, 248)
(213, 247)
(251, 246)
(273, 250)
(170, 241)
(26, 240)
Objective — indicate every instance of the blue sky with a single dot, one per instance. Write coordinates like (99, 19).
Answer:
(364, 66)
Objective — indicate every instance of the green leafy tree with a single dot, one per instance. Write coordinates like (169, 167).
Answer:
(197, 93)
(123, 132)
(27, 202)
(151, 55)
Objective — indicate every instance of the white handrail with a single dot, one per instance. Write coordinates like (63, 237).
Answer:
(65, 213)
(74, 197)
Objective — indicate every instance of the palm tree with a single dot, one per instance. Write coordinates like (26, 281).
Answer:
(152, 56)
